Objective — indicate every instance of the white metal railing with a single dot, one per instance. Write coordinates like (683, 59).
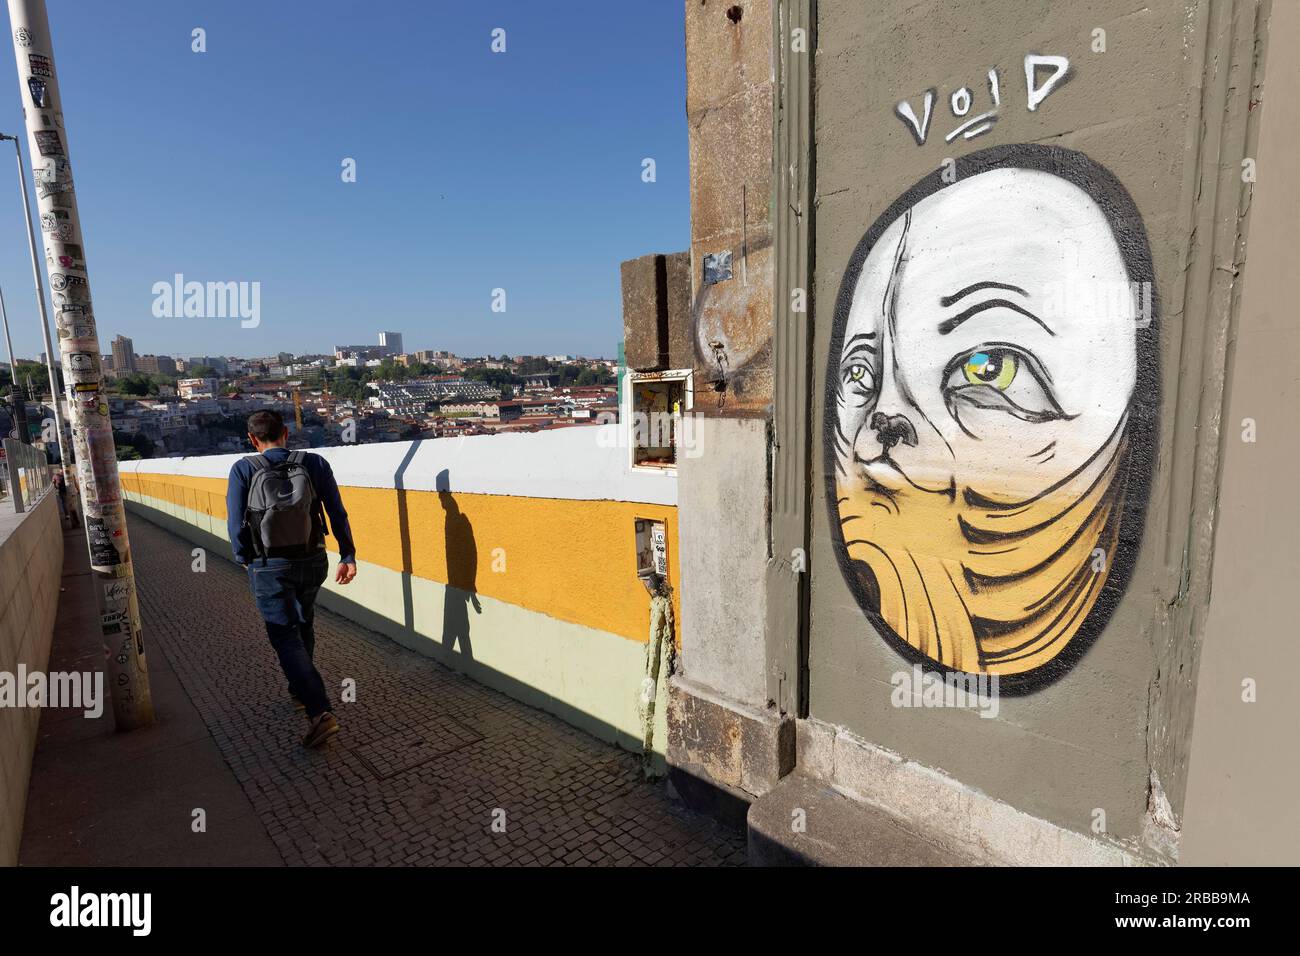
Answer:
(26, 474)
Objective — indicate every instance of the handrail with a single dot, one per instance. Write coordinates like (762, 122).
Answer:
(26, 472)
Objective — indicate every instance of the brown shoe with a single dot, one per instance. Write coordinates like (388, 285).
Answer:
(322, 728)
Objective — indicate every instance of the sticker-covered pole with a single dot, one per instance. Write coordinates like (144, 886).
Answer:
(74, 318)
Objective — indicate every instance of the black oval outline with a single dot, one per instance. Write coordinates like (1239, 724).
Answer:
(1129, 230)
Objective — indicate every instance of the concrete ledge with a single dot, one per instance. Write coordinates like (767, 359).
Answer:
(579, 464)
(963, 821)
(805, 822)
(31, 569)
(739, 750)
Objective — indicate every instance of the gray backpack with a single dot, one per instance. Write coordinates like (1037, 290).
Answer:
(284, 516)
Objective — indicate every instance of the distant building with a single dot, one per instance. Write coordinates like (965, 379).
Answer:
(155, 364)
(391, 343)
(123, 355)
(509, 411)
(480, 409)
(214, 362)
(417, 396)
(361, 352)
(192, 388)
(440, 358)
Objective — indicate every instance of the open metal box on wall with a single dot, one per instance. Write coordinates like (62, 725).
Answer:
(655, 416)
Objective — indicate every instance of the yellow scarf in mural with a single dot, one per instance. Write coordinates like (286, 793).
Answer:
(983, 584)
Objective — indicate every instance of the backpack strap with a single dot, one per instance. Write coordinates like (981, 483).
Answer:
(260, 463)
(299, 457)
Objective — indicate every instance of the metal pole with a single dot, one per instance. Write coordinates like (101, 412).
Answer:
(13, 451)
(15, 396)
(92, 430)
(64, 458)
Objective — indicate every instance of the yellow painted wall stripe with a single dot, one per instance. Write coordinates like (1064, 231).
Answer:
(572, 559)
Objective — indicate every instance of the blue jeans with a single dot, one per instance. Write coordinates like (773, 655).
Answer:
(285, 590)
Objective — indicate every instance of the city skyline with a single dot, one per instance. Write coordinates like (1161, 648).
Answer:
(126, 346)
(192, 358)
(424, 236)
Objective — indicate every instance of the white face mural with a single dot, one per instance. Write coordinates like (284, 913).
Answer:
(979, 443)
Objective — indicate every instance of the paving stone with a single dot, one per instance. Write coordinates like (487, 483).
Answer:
(425, 754)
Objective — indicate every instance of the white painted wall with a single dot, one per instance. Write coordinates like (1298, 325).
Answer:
(586, 463)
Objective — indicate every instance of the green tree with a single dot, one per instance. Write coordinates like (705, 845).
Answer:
(132, 447)
(31, 378)
(136, 383)
(493, 376)
(348, 383)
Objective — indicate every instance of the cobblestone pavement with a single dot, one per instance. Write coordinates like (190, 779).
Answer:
(425, 756)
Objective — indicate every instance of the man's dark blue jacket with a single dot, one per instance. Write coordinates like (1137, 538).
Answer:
(327, 489)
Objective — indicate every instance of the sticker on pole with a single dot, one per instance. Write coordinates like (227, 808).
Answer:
(62, 280)
(81, 362)
(56, 222)
(102, 552)
(40, 92)
(49, 142)
(117, 595)
(70, 257)
(40, 65)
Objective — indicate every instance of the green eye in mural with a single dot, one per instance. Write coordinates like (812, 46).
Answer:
(987, 493)
(996, 368)
(996, 377)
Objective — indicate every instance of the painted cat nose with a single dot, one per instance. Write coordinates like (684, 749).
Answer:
(892, 429)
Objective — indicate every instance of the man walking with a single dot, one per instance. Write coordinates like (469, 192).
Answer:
(276, 503)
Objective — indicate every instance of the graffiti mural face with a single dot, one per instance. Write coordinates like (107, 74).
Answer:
(991, 370)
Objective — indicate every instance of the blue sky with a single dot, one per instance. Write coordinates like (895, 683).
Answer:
(475, 170)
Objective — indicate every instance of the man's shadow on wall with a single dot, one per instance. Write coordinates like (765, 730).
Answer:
(462, 571)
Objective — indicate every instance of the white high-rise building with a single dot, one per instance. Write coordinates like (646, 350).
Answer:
(391, 342)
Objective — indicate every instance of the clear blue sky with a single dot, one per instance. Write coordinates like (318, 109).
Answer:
(475, 170)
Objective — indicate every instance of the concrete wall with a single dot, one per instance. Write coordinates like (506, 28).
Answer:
(1138, 141)
(1243, 779)
(725, 484)
(31, 567)
(724, 552)
(729, 114)
(725, 736)
(522, 573)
